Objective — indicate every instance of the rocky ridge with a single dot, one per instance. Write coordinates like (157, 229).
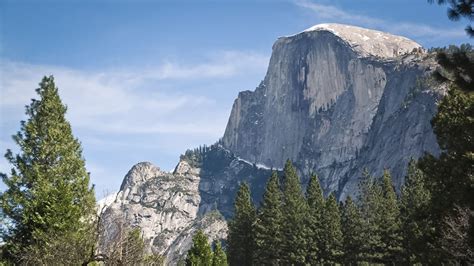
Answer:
(164, 206)
(335, 104)
(336, 99)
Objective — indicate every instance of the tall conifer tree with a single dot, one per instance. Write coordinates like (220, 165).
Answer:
(390, 221)
(200, 253)
(371, 205)
(268, 229)
(352, 230)
(417, 227)
(49, 202)
(331, 248)
(315, 199)
(294, 218)
(241, 240)
(219, 258)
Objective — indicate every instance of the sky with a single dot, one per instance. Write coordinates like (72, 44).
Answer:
(146, 80)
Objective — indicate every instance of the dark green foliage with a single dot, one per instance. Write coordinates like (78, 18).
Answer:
(449, 177)
(316, 205)
(48, 202)
(352, 226)
(456, 66)
(331, 234)
(459, 9)
(416, 225)
(390, 222)
(294, 218)
(269, 226)
(200, 253)
(370, 200)
(241, 242)
(381, 215)
(219, 258)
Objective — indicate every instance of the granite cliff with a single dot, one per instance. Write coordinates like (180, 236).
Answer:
(336, 99)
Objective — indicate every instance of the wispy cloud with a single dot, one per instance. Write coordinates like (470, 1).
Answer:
(114, 101)
(222, 65)
(332, 13)
(126, 115)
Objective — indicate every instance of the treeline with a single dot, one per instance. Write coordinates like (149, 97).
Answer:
(295, 228)
(430, 222)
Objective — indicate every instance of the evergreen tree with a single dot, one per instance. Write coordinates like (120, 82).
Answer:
(48, 201)
(200, 253)
(352, 226)
(219, 258)
(448, 177)
(241, 240)
(331, 247)
(294, 218)
(370, 200)
(456, 66)
(315, 199)
(417, 227)
(268, 229)
(460, 9)
(390, 221)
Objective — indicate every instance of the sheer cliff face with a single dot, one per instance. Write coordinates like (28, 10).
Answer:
(336, 99)
(335, 106)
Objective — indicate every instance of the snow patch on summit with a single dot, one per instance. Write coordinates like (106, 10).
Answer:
(369, 42)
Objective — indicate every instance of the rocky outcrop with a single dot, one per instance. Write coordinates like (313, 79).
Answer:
(164, 206)
(337, 99)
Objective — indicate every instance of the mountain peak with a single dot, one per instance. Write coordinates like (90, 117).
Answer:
(368, 42)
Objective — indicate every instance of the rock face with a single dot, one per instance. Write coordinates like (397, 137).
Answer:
(164, 206)
(337, 99)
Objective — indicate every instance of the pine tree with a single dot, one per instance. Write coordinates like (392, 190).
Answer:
(294, 218)
(449, 175)
(48, 201)
(456, 66)
(370, 198)
(241, 240)
(352, 226)
(268, 229)
(219, 258)
(390, 221)
(417, 227)
(460, 9)
(331, 248)
(315, 199)
(200, 253)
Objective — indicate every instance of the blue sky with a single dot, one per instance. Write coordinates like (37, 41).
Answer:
(146, 80)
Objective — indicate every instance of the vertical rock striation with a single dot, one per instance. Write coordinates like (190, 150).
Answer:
(337, 99)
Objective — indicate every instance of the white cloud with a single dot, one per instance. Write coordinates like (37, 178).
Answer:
(116, 101)
(127, 115)
(334, 14)
(222, 65)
